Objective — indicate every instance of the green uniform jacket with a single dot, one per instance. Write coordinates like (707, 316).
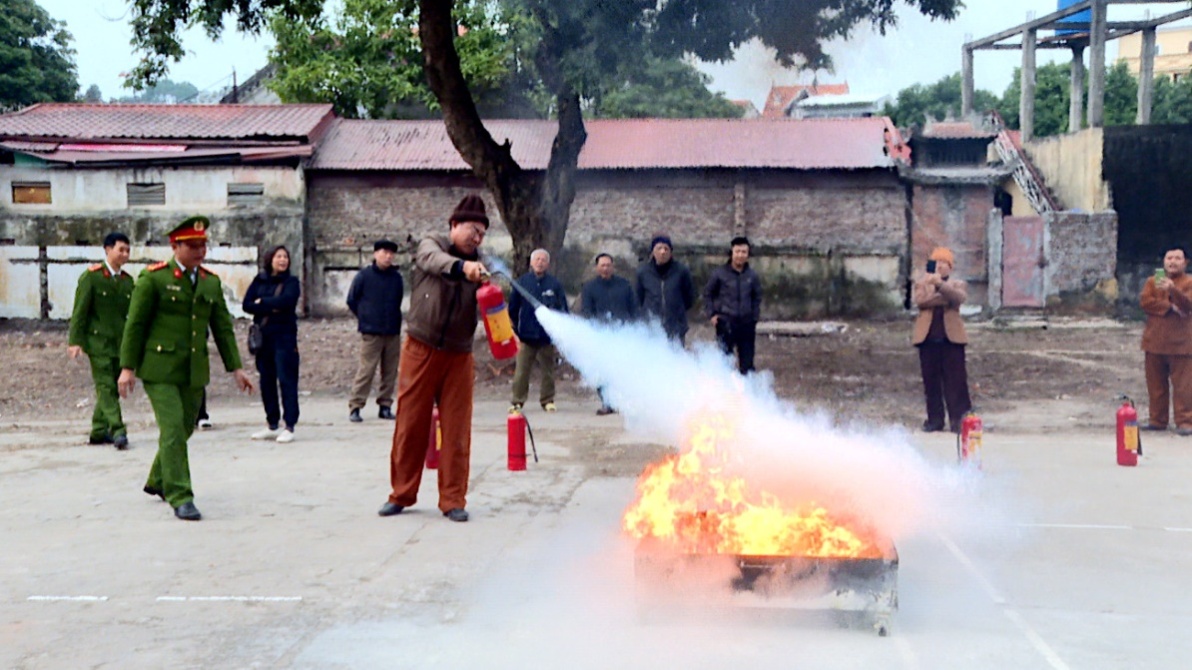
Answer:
(165, 339)
(100, 310)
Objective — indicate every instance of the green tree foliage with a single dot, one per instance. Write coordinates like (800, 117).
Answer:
(938, 101)
(164, 92)
(1172, 102)
(93, 94)
(662, 87)
(1052, 98)
(36, 59)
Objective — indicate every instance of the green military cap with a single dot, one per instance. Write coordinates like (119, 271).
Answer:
(193, 228)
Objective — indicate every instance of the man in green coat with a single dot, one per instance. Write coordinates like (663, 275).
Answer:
(96, 328)
(165, 344)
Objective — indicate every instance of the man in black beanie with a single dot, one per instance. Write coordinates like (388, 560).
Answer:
(665, 290)
(375, 299)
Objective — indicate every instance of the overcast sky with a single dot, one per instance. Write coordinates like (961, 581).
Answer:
(918, 51)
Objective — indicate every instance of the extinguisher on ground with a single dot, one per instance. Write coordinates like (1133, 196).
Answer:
(1129, 443)
(517, 428)
(497, 325)
(968, 442)
(435, 441)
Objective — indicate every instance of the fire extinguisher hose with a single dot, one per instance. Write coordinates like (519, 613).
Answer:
(533, 447)
(525, 294)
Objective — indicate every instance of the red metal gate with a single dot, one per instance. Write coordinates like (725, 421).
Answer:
(1022, 261)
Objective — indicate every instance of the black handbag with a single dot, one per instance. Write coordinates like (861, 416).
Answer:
(256, 336)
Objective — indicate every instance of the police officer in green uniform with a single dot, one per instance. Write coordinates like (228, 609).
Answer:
(165, 344)
(96, 328)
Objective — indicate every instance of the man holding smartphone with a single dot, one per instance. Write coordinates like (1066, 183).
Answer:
(940, 337)
(1167, 341)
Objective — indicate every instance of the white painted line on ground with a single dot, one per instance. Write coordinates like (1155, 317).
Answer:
(1036, 640)
(1078, 526)
(73, 599)
(1178, 530)
(222, 599)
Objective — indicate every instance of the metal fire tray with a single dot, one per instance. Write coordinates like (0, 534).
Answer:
(858, 591)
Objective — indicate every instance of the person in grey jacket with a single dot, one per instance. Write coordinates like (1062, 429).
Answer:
(536, 347)
(375, 299)
(665, 290)
(733, 302)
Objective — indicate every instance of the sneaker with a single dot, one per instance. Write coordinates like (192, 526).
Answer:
(354, 416)
(267, 434)
(549, 407)
(205, 424)
(605, 411)
(286, 436)
(515, 408)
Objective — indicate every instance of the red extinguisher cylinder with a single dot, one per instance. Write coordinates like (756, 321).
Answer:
(1127, 434)
(434, 442)
(972, 431)
(517, 441)
(497, 324)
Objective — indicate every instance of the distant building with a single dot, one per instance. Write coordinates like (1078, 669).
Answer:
(748, 110)
(781, 100)
(254, 90)
(1173, 52)
(846, 106)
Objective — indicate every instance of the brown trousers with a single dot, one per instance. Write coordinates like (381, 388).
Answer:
(945, 382)
(376, 349)
(1162, 369)
(430, 376)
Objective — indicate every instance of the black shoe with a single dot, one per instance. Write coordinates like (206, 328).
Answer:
(354, 416)
(154, 492)
(1151, 426)
(389, 509)
(121, 442)
(932, 427)
(105, 439)
(386, 412)
(187, 512)
(458, 514)
(605, 411)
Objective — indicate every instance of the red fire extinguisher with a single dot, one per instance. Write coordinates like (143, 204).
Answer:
(497, 324)
(518, 427)
(1129, 445)
(435, 442)
(968, 444)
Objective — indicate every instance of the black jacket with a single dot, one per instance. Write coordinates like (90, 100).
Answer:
(549, 292)
(278, 310)
(732, 294)
(375, 299)
(609, 299)
(666, 293)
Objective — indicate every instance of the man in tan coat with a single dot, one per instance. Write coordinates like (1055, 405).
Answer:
(1167, 340)
(939, 335)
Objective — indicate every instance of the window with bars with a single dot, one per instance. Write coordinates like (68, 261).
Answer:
(245, 193)
(31, 193)
(144, 195)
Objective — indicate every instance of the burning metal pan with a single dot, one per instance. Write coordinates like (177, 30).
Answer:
(858, 591)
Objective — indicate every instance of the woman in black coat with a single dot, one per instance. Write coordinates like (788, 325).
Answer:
(272, 299)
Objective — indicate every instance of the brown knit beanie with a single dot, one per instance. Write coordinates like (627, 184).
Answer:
(471, 208)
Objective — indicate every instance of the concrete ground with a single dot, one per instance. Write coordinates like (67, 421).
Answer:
(1073, 562)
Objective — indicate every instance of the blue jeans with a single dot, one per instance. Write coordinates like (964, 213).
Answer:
(277, 362)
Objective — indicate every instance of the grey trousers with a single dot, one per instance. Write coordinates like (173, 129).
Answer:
(383, 350)
(527, 355)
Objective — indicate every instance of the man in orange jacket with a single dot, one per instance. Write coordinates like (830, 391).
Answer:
(940, 336)
(1167, 340)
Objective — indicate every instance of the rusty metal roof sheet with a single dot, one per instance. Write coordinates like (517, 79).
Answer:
(781, 97)
(177, 122)
(629, 144)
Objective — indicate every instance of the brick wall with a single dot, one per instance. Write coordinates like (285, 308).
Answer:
(953, 216)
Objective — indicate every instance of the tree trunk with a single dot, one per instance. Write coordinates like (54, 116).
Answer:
(535, 207)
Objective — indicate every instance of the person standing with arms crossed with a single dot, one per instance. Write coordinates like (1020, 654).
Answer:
(437, 365)
(165, 344)
(272, 299)
(97, 327)
(375, 299)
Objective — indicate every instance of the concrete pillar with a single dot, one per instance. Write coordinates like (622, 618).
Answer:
(966, 82)
(1026, 102)
(1076, 91)
(1097, 65)
(1146, 77)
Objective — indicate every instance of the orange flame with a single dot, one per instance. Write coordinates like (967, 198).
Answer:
(689, 502)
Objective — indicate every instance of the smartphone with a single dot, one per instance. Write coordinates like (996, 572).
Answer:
(930, 267)
(1160, 274)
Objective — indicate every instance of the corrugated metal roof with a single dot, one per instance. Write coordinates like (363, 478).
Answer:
(781, 97)
(176, 122)
(629, 144)
(955, 130)
(155, 157)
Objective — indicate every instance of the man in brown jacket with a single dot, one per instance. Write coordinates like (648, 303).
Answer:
(436, 363)
(939, 335)
(1167, 340)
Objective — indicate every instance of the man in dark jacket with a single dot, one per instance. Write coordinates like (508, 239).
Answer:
(437, 365)
(536, 346)
(375, 299)
(607, 298)
(665, 290)
(733, 302)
